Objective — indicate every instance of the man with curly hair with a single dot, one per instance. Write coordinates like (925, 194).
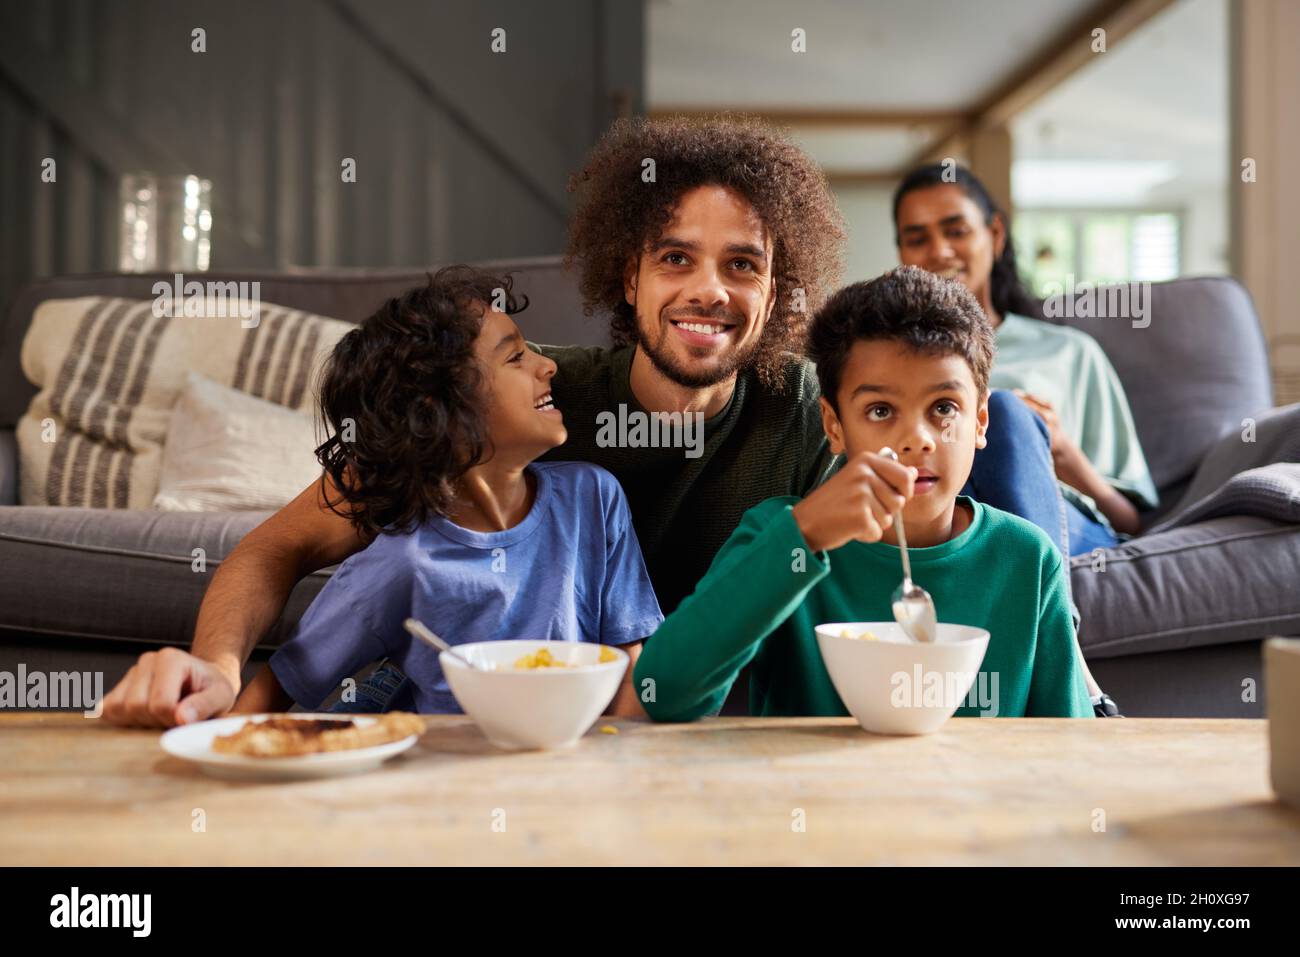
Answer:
(759, 199)
(707, 245)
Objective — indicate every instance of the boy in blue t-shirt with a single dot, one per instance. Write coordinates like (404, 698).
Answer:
(437, 410)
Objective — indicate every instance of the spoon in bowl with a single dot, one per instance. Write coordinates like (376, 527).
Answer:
(913, 607)
(429, 638)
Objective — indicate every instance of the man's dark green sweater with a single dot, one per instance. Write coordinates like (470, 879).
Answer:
(764, 443)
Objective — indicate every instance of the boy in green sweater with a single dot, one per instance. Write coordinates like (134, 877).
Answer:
(903, 361)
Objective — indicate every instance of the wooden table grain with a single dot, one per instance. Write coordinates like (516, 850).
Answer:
(77, 791)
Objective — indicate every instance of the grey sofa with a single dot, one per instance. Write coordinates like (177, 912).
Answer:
(1171, 627)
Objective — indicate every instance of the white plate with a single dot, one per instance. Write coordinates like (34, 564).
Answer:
(193, 742)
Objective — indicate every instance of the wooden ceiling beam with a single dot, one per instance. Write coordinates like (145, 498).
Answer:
(1069, 52)
(835, 119)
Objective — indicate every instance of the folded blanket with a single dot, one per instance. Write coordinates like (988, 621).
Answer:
(1271, 491)
(1252, 472)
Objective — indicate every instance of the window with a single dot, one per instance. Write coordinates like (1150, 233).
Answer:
(1096, 246)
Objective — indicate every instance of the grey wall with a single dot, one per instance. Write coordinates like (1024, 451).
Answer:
(461, 153)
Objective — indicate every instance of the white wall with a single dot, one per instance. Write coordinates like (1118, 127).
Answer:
(867, 214)
(1206, 244)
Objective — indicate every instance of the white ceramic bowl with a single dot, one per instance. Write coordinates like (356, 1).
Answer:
(537, 708)
(895, 685)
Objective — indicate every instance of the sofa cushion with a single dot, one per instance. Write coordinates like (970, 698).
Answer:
(1213, 582)
(109, 372)
(555, 313)
(1192, 373)
(227, 451)
(121, 574)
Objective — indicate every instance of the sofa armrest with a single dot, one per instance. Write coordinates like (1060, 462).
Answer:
(8, 467)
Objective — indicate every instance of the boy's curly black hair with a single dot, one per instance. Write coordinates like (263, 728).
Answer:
(618, 215)
(907, 305)
(402, 400)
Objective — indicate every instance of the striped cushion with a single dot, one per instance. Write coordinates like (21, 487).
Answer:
(109, 372)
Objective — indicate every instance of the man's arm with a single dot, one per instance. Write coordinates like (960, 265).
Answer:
(264, 693)
(252, 586)
(626, 704)
(246, 596)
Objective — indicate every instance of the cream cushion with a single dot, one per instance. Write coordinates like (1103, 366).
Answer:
(111, 370)
(228, 451)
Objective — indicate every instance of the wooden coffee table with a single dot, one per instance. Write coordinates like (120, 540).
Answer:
(76, 791)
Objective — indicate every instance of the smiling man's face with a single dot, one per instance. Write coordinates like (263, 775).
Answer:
(703, 291)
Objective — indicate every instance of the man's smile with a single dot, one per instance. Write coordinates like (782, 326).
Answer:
(702, 332)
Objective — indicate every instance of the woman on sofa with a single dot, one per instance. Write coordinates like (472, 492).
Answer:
(945, 221)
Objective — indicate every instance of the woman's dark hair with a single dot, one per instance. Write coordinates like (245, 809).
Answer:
(924, 312)
(402, 400)
(1005, 287)
(619, 215)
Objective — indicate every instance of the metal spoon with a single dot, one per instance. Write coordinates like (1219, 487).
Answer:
(912, 604)
(429, 638)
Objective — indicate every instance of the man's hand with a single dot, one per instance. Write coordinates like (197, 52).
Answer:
(170, 687)
(855, 504)
(247, 594)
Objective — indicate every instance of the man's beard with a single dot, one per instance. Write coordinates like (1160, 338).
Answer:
(661, 358)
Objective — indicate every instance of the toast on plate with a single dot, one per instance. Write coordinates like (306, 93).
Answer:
(285, 737)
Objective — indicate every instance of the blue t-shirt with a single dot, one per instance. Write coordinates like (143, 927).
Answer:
(570, 571)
